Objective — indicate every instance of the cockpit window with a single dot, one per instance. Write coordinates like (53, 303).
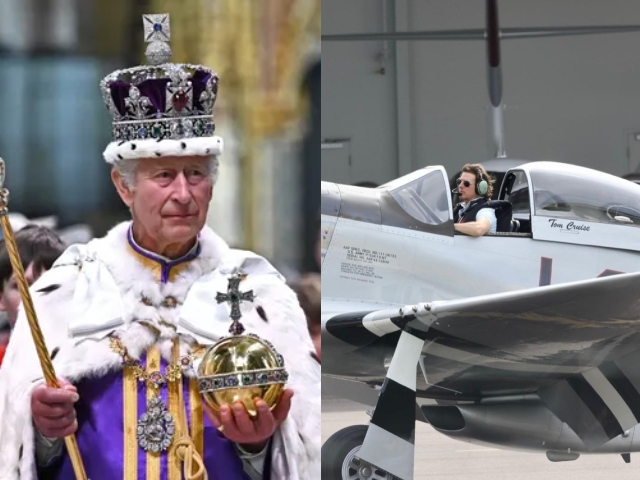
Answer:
(424, 198)
(566, 195)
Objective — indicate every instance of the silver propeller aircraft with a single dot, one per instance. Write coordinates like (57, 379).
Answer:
(524, 339)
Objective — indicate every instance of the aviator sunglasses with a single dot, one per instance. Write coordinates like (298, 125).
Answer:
(466, 183)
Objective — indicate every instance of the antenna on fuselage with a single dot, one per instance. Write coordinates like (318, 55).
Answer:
(494, 79)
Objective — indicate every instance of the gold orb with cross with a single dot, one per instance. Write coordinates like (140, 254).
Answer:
(241, 367)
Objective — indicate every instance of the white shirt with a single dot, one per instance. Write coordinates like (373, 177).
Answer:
(488, 213)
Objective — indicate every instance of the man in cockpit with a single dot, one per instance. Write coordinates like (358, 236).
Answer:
(472, 215)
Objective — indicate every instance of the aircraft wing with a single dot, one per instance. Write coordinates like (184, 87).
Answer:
(576, 345)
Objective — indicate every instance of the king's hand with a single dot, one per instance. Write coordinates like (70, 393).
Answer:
(251, 434)
(53, 411)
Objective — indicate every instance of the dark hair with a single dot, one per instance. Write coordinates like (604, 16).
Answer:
(480, 174)
(38, 245)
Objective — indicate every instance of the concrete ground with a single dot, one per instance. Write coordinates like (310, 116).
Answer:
(439, 457)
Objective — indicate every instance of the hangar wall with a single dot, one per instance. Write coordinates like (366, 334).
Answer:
(571, 99)
(358, 104)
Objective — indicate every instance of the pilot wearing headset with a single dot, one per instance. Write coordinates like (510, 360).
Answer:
(472, 216)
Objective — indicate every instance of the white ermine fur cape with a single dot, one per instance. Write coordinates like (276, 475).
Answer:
(96, 289)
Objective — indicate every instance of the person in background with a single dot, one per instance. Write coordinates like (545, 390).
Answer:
(39, 247)
(309, 296)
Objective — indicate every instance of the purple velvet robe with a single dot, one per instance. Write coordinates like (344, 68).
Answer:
(100, 435)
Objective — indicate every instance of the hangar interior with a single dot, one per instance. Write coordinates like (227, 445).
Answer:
(391, 107)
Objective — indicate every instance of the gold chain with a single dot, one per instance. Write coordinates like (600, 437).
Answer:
(156, 379)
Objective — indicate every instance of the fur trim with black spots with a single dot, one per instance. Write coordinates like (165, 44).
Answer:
(197, 146)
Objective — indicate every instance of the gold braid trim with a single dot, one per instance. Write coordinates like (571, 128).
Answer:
(183, 447)
(197, 420)
(130, 416)
(173, 462)
(153, 365)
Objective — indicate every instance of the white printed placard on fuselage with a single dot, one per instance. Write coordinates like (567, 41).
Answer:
(350, 270)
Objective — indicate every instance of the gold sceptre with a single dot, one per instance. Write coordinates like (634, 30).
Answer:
(27, 303)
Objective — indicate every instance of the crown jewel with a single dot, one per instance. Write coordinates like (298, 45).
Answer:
(162, 100)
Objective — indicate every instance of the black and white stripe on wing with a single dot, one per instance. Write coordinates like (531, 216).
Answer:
(600, 403)
(362, 328)
(348, 327)
(623, 383)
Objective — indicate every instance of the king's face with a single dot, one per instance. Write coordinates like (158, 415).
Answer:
(170, 198)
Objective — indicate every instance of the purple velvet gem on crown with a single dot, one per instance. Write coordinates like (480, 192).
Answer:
(155, 90)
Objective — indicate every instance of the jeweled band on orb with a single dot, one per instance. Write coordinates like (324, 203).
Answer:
(254, 378)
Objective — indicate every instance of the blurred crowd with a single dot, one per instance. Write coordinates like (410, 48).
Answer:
(308, 288)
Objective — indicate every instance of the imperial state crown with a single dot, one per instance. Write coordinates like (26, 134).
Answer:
(161, 109)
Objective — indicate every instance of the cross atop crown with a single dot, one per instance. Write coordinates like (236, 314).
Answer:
(157, 32)
(156, 27)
